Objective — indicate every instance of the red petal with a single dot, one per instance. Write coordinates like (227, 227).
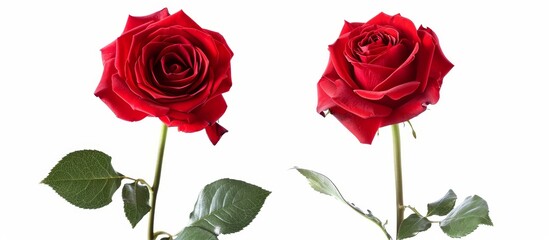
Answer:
(363, 129)
(414, 106)
(441, 65)
(344, 97)
(214, 132)
(185, 122)
(425, 58)
(404, 25)
(177, 19)
(324, 101)
(368, 76)
(348, 27)
(220, 39)
(198, 119)
(212, 110)
(135, 21)
(404, 73)
(395, 93)
(108, 52)
(340, 63)
(136, 102)
(105, 92)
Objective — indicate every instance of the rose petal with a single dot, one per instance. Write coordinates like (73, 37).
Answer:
(214, 132)
(180, 34)
(130, 43)
(404, 73)
(425, 57)
(136, 102)
(349, 26)
(416, 105)
(119, 107)
(363, 129)
(212, 110)
(135, 21)
(179, 18)
(222, 72)
(219, 38)
(340, 63)
(124, 47)
(151, 77)
(405, 25)
(342, 95)
(199, 119)
(368, 76)
(393, 57)
(185, 122)
(324, 101)
(125, 43)
(441, 65)
(395, 93)
(108, 52)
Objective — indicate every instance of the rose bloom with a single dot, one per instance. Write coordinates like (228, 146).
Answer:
(381, 72)
(167, 66)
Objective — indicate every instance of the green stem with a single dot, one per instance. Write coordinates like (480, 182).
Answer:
(156, 182)
(398, 175)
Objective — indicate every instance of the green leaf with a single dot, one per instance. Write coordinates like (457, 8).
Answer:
(466, 217)
(412, 225)
(443, 206)
(195, 233)
(323, 184)
(136, 201)
(227, 206)
(85, 178)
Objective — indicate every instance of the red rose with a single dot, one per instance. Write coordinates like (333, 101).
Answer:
(167, 66)
(381, 72)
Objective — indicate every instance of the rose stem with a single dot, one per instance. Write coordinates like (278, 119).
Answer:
(398, 175)
(156, 182)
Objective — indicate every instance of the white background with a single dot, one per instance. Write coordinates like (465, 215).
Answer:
(486, 136)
